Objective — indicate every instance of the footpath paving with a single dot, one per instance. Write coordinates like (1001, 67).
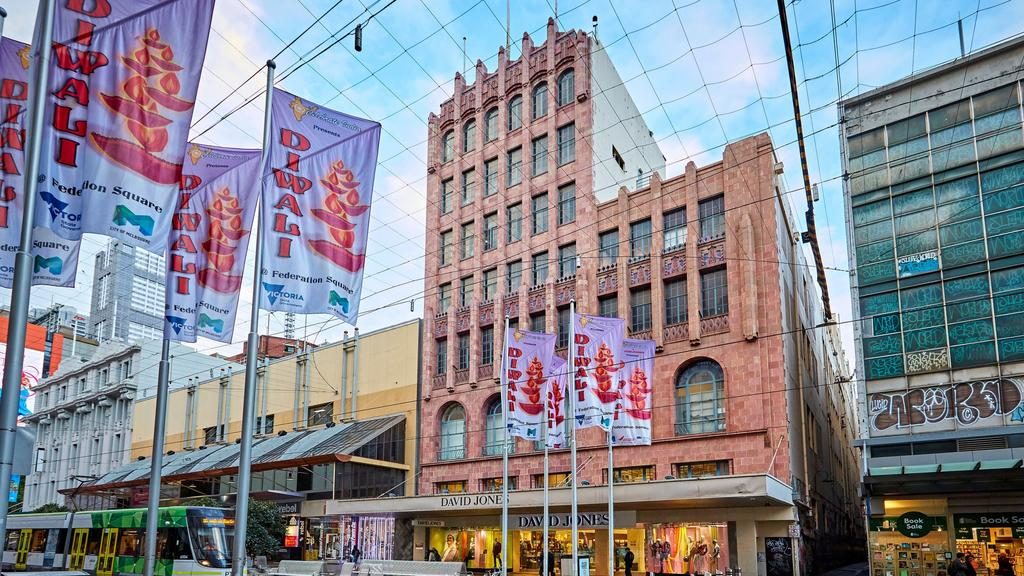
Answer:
(859, 569)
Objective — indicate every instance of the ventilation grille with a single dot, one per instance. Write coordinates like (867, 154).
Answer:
(983, 443)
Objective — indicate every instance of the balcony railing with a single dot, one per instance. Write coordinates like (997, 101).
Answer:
(677, 332)
(462, 376)
(453, 453)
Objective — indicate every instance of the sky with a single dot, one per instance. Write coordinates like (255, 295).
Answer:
(702, 72)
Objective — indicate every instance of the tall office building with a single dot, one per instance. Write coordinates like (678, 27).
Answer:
(935, 226)
(127, 294)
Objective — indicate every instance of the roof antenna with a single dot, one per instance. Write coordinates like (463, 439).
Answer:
(594, 20)
(960, 27)
(464, 69)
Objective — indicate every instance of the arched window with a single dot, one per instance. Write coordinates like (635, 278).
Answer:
(566, 87)
(539, 105)
(448, 146)
(515, 113)
(495, 433)
(491, 125)
(453, 433)
(700, 398)
(469, 136)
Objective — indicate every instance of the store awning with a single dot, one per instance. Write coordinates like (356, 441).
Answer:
(966, 476)
(336, 443)
(710, 492)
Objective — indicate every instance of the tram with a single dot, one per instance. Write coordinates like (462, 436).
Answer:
(190, 541)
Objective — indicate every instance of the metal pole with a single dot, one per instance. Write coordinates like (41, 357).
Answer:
(611, 505)
(14, 362)
(574, 521)
(157, 459)
(355, 374)
(251, 360)
(547, 424)
(504, 454)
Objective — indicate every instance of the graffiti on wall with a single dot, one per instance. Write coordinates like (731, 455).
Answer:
(965, 402)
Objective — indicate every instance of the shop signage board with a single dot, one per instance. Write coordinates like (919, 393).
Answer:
(471, 501)
(966, 522)
(585, 520)
(914, 524)
(983, 535)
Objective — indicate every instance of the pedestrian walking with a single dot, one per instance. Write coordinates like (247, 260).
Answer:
(629, 557)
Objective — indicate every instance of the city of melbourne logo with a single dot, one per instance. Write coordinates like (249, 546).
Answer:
(216, 325)
(339, 301)
(123, 216)
(54, 265)
(176, 322)
(277, 292)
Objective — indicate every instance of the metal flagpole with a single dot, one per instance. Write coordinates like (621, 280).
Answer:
(14, 362)
(571, 385)
(157, 459)
(251, 359)
(611, 503)
(504, 455)
(547, 424)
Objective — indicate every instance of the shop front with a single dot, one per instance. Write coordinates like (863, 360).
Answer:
(988, 536)
(705, 526)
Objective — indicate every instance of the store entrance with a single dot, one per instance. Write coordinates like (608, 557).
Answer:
(989, 545)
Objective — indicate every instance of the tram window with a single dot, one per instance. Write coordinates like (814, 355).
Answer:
(172, 544)
(131, 543)
(62, 534)
(12, 539)
(38, 541)
(93, 547)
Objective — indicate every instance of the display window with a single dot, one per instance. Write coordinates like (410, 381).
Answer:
(909, 545)
(992, 547)
(687, 548)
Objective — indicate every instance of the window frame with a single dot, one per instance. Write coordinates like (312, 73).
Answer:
(513, 168)
(534, 114)
(469, 135)
(538, 158)
(539, 217)
(566, 87)
(686, 423)
(447, 450)
(515, 113)
(638, 309)
(567, 203)
(537, 271)
(491, 124)
(720, 302)
(566, 146)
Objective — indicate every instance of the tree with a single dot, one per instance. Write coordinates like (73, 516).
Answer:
(48, 507)
(265, 532)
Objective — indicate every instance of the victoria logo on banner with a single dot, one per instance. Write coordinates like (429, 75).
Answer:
(632, 423)
(210, 234)
(528, 367)
(317, 190)
(122, 87)
(556, 400)
(54, 260)
(598, 356)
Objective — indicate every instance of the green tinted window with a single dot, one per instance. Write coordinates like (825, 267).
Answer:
(957, 190)
(875, 273)
(1010, 325)
(959, 210)
(1003, 222)
(872, 232)
(926, 339)
(974, 331)
(969, 309)
(1011, 349)
(887, 367)
(921, 296)
(872, 212)
(923, 318)
(962, 254)
(913, 201)
(879, 304)
(882, 346)
(915, 222)
(960, 232)
(885, 324)
(1002, 177)
(1009, 302)
(874, 252)
(1006, 245)
(1006, 280)
(1004, 199)
(916, 243)
(970, 287)
(978, 354)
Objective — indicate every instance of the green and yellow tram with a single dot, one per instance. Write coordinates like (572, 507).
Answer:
(190, 541)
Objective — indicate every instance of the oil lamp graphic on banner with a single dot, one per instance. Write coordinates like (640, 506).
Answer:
(533, 388)
(225, 232)
(636, 393)
(606, 365)
(342, 206)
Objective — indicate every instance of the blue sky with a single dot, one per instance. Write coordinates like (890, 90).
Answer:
(703, 72)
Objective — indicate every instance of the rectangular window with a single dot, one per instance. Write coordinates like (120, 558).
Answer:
(675, 302)
(444, 297)
(608, 306)
(320, 414)
(539, 210)
(463, 351)
(567, 261)
(712, 218)
(490, 284)
(491, 177)
(539, 153)
(487, 346)
(675, 229)
(442, 356)
(538, 322)
(540, 268)
(447, 244)
(467, 240)
(618, 159)
(640, 310)
(566, 144)
(714, 293)
(609, 248)
(630, 474)
(494, 484)
(451, 487)
(640, 239)
(468, 186)
(514, 217)
(490, 231)
(265, 426)
(210, 435)
(514, 167)
(701, 469)
(555, 480)
(446, 196)
(466, 292)
(563, 328)
(514, 277)
(567, 203)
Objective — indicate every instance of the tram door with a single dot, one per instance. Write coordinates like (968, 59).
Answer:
(21, 556)
(108, 552)
(79, 540)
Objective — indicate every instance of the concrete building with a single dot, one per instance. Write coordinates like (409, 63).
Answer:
(735, 462)
(127, 294)
(272, 347)
(83, 418)
(72, 326)
(337, 421)
(934, 191)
